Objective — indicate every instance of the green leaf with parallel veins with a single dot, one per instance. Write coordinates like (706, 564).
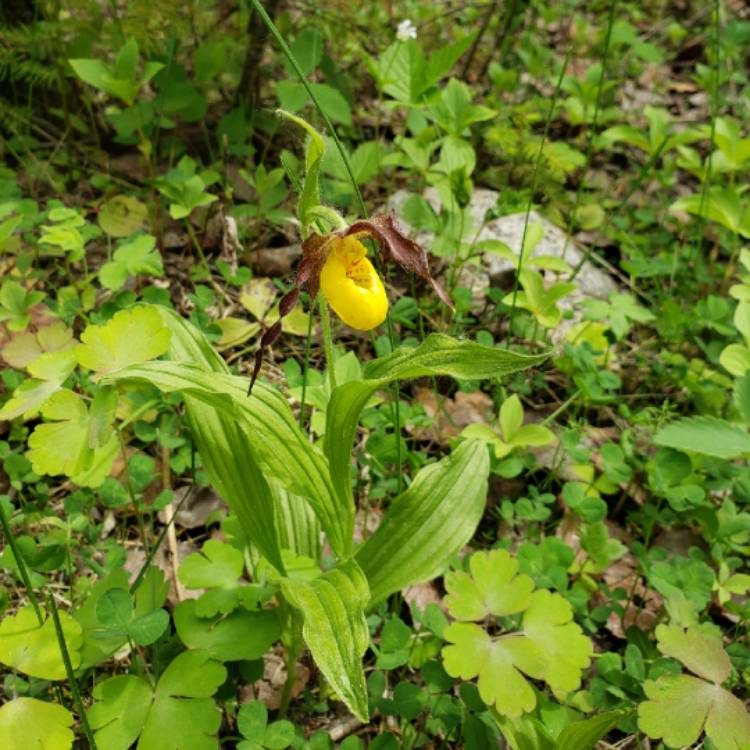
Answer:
(493, 588)
(129, 337)
(436, 355)
(266, 425)
(178, 715)
(584, 734)
(33, 649)
(427, 524)
(335, 628)
(241, 635)
(28, 722)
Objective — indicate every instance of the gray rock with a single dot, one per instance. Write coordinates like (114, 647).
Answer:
(497, 271)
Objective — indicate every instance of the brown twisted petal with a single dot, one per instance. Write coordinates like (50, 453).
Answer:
(396, 246)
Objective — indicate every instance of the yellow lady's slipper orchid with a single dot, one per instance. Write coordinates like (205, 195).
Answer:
(352, 286)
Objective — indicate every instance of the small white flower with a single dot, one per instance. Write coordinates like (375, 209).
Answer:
(406, 30)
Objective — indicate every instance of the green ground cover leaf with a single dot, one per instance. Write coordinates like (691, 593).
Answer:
(30, 723)
(548, 646)
(179, 714)
(129, 337)
(680, 706)
(33, 649)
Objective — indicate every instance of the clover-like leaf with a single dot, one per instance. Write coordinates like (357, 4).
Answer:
(178, 715)
(33, 649)
(252, 721)
(493, 588)
(130, 337)
(136, 256)
(114, 610)
(680, 706)
(30, 723)
(549, 646)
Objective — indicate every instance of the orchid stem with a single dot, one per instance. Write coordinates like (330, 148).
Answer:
(325, 320)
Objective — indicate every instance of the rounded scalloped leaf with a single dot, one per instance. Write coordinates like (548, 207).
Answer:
(30, 723)
(680, 706)
(701, 653)
(494, 588)
(128, 338)
(33, 649)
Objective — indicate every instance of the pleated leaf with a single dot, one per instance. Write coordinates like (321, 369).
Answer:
(335, 629)
(427, 524)
(436, 355)
(275, 442)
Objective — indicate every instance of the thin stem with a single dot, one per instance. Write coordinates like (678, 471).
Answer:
(594, 123)
(535, 176)
(325, 320)
(21, 563)
(709, 164)
(271, 26)
(69, 672)
(306, 365)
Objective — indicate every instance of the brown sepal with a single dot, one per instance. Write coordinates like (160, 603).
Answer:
(314, 254)
(396, 246)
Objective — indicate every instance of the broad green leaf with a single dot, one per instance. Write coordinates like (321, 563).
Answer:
(701, 653)
(584, 734)
(178, 715)
(227, 455)
(499, 664)
(335, 628)
(33, 649)
(114, 610)
(549, 624)
(241, 635)
(130, 337)
(137, 256)
(266, 424)
(524, 732)
(437, 355)
(25, 348)
(706, 435)
(120, 712)
(428, 524)
(735, 358)
(493, 588)
(122, 215)
(511, 417)
(296, 525)
(680, 706)
(70, 427)
(252, 721)
(217, 565)
(96, 649)
(548, 646)
(27, 723)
